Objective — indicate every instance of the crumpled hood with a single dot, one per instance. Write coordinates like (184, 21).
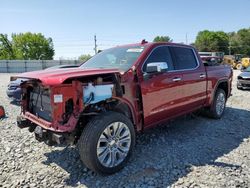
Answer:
(58, 76)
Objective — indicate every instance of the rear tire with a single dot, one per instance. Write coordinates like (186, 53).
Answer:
(107, 142)
(218, 105)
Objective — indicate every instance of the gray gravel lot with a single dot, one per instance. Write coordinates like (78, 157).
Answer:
(192, 151)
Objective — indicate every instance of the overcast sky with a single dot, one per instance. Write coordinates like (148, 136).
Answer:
(72, 24)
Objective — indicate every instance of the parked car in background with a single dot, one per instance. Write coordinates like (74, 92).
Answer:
(14, 91)
(243, 81)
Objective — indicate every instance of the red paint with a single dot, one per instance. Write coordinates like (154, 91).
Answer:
(162, 99)
(58, 76)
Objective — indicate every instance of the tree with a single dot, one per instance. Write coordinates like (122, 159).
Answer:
(234, 43)
(162, 39)
(212, 41)
(6, 50)
(32, 46)
(240, 42)
(243, 36)
(85, 57)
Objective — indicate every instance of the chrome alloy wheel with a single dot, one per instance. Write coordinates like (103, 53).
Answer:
(220, 103)
(114, 144)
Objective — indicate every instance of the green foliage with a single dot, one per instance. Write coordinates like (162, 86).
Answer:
(6, 50)
(32, 46)
(243, 39)
(162, 39)
(234, 41)
(212, 41)
(84, 57)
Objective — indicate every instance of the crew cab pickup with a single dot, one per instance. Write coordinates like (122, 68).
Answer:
(101, 105)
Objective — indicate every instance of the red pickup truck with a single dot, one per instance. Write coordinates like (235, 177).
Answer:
(123, 90)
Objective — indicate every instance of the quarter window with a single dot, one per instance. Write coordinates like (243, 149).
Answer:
(184, 58)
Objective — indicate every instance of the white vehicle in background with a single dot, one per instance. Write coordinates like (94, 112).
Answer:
(220, 55)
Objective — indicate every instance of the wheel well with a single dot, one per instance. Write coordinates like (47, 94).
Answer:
(124, 109)
(96, 109)
(224, 86)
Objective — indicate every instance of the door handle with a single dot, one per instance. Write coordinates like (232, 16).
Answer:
(202, 75)
(176, 79)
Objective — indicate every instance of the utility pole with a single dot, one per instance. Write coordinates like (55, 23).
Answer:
(229, 47)
(186, 38)
(95, 45)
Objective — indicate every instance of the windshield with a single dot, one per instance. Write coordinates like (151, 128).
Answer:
(121, 58)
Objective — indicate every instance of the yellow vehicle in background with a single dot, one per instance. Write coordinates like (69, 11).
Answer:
(233, 60)
(245, 62)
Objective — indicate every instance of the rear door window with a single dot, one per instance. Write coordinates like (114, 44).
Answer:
(184, 58)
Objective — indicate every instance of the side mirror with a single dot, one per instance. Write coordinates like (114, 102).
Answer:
(157, 67)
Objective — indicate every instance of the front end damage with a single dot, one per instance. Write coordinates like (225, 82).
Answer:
(57, 113)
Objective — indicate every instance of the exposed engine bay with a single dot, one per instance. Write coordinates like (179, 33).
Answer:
(58, 108)
(40, 103)
(94, 94)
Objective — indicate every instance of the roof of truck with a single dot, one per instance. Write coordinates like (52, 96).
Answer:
(145, 43)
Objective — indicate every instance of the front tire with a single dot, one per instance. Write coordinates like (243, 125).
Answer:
(107, 142)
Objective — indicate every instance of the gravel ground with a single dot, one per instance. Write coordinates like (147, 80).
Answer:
(192, 151)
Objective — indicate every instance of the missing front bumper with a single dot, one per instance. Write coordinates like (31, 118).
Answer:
(22, 122)
(43, 135)
(49, 137)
